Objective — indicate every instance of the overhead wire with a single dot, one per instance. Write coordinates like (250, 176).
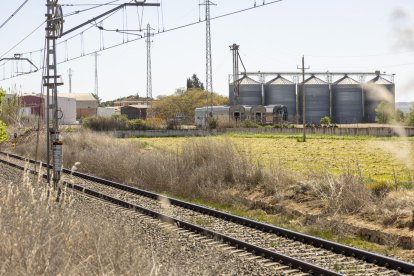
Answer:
(13, 14)
(139, 38)
(88, 9)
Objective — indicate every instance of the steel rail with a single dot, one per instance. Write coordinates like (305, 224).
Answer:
(256, 250)
(338, 248)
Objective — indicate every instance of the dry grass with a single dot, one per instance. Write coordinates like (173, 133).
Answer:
(40, 237)
(204, 167)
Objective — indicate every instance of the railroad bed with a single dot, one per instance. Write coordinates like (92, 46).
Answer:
(294, 250)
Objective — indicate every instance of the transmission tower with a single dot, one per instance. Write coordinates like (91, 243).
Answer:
(54, 30)
(209, 61)
(96, 74)
(70, 79)
(148, 40)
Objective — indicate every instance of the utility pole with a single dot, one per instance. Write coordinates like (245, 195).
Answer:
(54, 30)
(96, 74)
(70, 80)
(148, 40)
(209, 61)
(303, 97)
(235, 51)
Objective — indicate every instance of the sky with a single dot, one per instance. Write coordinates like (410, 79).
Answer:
(346, 36)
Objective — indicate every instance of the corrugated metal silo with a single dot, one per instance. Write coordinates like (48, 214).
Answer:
(317, 100)
(282, 91)
(376, 91)
(347, 102)
(250, 92)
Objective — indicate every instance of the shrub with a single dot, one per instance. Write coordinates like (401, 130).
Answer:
(410, 117)
(212, 122)
(249, 124)
(385, 113)
(115, 122)
(326, 121)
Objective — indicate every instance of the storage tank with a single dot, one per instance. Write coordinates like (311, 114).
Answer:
(258, 114)
(347, 102)
(282, 91)
(317, 100)
(376, 91)
(239, 113)
(221, 113)
(276, 114)
(250, 92)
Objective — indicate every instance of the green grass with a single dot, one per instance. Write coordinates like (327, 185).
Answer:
(377, 159)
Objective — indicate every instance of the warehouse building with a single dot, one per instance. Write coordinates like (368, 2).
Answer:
(86, 104)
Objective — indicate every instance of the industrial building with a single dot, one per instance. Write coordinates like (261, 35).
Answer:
(86, 104)
(347, 98)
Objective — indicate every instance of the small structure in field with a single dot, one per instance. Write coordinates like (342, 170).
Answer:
(108, 111)
(135, 111)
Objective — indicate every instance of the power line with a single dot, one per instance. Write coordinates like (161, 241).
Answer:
(13, 14)
(21, 41)
(88, 9)
(139, 38)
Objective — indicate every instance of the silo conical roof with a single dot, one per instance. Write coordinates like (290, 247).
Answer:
(247, 80)
(279, 80)
(314, 80)
(380, 80)
(346, 80)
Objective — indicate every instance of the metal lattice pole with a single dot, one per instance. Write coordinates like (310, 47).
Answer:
(53, 31)
(148, 35)
(209, 60)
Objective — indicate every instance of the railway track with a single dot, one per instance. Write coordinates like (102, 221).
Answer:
(298, 251)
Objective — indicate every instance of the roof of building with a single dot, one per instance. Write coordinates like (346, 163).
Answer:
(314, 80)
(140, 106)
(346, 80)
(81, 97)
(280, 81)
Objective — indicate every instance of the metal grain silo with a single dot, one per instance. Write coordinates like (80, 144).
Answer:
(376, 91)
(317, 100)
(347, 102)
(282, 91)
(250, 92)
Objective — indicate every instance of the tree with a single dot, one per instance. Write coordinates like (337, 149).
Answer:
(325, 121)
(183, 103)
(194, 82)
(3, 127)
(385, 113)
(399, 115)
(410, 117)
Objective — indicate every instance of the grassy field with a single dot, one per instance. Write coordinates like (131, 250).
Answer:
(377, 159)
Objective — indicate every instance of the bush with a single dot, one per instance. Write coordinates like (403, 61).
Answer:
(212, 123)
(326, 121)
(410, 117)
(249, 124)
(115, 122)
(385, 113)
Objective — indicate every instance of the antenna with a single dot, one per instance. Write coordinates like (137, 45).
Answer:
(70, 79)
(96, 74)
(303, 97)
